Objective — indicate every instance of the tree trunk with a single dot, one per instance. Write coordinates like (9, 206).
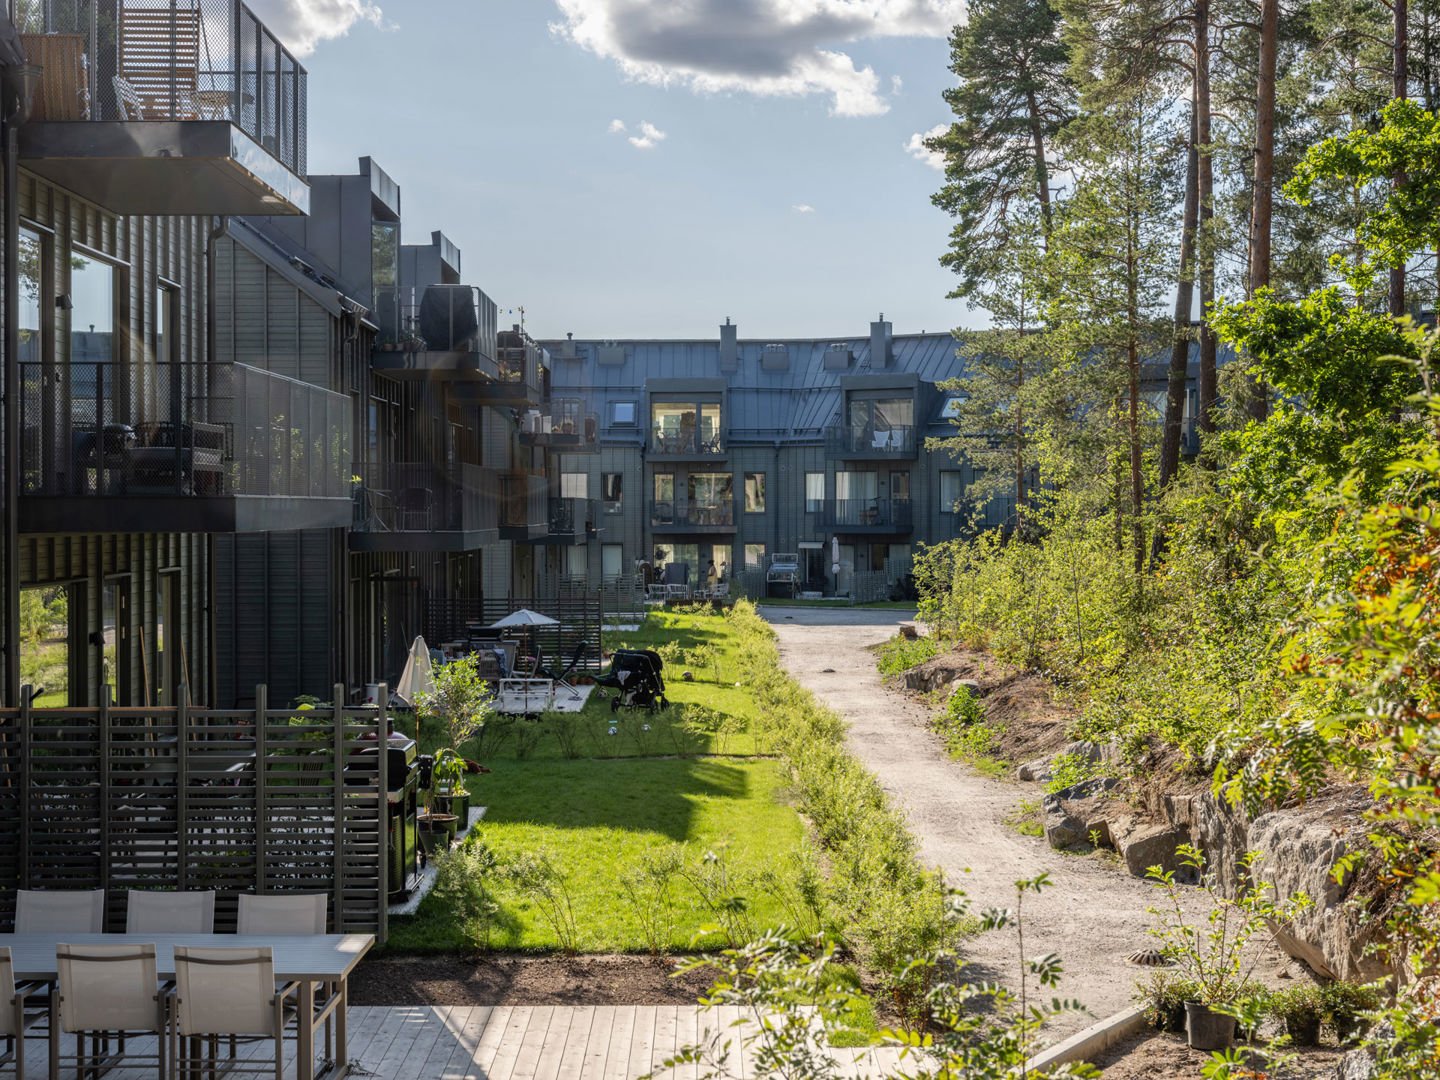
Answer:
(1263, 196)
(1204, 248)
(1402, 90)
(1184, 301)
(1042, 167)
(1019, 444)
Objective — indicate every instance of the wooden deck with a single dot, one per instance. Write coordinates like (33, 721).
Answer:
(515, 1042)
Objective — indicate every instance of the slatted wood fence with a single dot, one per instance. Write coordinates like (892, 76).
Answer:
(255, 800)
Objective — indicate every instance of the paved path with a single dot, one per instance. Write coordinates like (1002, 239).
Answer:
(1092, 916)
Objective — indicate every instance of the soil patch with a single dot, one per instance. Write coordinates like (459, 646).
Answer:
(525, 980)
(1150, 1055)
(1019, 704)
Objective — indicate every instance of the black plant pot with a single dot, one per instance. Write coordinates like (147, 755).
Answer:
(1207, 1029)
(1303, 1030)
(1168, 1018)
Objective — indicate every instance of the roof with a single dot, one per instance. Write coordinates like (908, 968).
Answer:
(296, 265)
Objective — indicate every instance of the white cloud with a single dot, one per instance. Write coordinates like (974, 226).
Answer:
(769, 48)
(302, 24)
(650, 136)
(617, 126)
(916, 148)
(803, 208)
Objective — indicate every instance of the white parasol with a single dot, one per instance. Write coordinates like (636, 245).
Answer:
(416, 678)
(524, 617)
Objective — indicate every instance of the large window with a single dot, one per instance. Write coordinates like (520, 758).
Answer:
(754, 556)
(814, 492)
(92, 341)
(709, 490)
(952, 490)
(900, 486)
(881, 423)
(754, 492)
(857, 485)
(612, 561)
(574, 485)
(45, 644)
(34, 266)
(685, 427)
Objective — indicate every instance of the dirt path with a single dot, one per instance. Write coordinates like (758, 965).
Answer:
(1093, 914)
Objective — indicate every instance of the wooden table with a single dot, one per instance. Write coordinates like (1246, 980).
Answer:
(324, 959)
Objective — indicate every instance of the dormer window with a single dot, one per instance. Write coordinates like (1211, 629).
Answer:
(622, 414)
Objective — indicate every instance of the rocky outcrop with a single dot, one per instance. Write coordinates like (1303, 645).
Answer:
(1297, 848)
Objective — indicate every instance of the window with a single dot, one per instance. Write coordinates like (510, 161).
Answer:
(754, 492)
(685, 427)
(622, 414)
(720, 556)
(574, 485)
(856, 485)
(710, 490)
(45, 643)
(881, 423)
(34, 270)
(662, 509)
(952, 490)
(612, 561)
(754, 556)
(577, 561)
(950, 407)
(814, 492)
(900, 486)
(92, 341)
(612, 491)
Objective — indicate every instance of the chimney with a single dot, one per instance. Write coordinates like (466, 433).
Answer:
(880, 336)
(729, 348)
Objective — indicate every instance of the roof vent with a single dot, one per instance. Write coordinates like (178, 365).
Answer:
(729, 348)
(567, 349)
(881, 352)
(775, 358)
(838, 357)
(610, 355)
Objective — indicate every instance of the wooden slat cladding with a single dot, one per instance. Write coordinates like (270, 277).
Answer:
(259, 801)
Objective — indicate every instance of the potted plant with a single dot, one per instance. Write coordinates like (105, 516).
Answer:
(1347, 1007)
(1164, 995)
(1301, 1008)
(449, 786)
(1215, 955)
(461, 700)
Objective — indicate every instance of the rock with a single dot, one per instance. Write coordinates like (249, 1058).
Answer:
(1355, 1065)
(908, 631)
(1142, 846)
(1039, 769)
(1072, 814)
(973, 685)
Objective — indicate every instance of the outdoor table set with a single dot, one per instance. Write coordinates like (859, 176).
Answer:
(187, 988)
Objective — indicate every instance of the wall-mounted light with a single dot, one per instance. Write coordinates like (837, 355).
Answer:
(63, 302)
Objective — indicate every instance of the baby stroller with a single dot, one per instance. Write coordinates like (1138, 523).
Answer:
(635, 676)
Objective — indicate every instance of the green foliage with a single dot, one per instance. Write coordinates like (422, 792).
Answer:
(463, 886)
(646, 888)
(461, 700)
(899, 654)
(1067, 770)
(540, 879)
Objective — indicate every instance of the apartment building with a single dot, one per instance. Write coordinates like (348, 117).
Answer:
(129, 445)
(734, 451)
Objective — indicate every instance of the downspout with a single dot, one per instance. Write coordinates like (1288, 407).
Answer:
(774, 517)
(212, 664)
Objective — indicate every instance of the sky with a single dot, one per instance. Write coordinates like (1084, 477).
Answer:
(646, 168)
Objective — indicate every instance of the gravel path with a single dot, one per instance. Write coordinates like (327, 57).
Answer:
(1093, 914)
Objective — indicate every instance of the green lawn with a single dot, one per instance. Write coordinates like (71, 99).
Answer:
(598, 790)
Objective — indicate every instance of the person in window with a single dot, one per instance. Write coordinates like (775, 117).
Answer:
(712, 576)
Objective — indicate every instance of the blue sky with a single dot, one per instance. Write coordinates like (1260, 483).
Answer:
(496, 116)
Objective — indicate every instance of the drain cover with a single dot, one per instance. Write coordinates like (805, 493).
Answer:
(1148, 958)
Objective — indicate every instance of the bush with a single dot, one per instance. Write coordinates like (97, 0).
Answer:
(900, 654)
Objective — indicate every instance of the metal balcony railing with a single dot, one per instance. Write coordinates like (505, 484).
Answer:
(569, 517)
(425, 497)
(166, 60)
(180, 429)
(436, 318)
(682, 513)
(563, 423)
(854, 439)
(868, 513)
(686, 442)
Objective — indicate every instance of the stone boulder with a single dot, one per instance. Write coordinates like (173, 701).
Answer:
(1072, 814)
(1142, 845)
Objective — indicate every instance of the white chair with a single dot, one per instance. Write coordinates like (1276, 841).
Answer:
(60, 911)
(230, 992)
(148, 912)
(14, 1020)
(282, 913)
(107, 990)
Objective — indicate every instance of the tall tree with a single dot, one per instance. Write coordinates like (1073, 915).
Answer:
(1013, 96)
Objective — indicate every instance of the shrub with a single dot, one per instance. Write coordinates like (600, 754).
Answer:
(540, 880)
(900, 654)
(462, 887)
(461, 700)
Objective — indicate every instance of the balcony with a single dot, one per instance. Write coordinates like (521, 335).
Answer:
(180, 447)
(524, 506)
(685, 445)
(562, 425)
(683, 516)
(165, 107)
(869, 516)
(522, 375)
(425, 507)
(441, 332)
(856, 443)
(569, 522)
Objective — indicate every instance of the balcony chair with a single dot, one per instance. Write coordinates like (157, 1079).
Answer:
(105, 991)
(228, 992)
(79, 911)
(149, 912)
(15, 1020)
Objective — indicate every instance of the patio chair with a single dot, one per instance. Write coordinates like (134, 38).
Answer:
(107, 991)
(562, 679)
(282, 913)
(14, 1019)
(148, 912)
(228, 992)
(80, 911)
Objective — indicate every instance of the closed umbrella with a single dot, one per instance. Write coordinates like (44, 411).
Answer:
(416, 678)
